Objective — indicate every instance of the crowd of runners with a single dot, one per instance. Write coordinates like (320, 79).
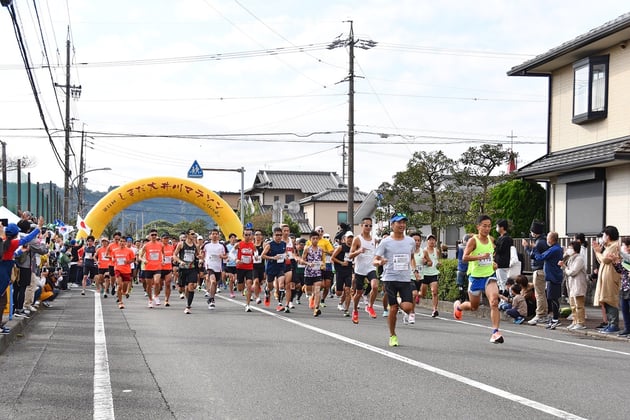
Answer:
(282, 270)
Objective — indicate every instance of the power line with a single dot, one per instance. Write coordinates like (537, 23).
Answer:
(319, 60)
(31, 79)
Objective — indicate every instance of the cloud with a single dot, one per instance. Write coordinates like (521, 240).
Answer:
(426, 78)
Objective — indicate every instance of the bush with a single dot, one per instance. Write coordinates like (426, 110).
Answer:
(447, 289)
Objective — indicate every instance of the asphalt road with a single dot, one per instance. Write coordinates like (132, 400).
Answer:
(227, 364)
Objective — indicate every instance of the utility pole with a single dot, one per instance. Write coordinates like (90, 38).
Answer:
(351, 42)
(19, 185)
(80, 182)
(66, 162)
(75, 92)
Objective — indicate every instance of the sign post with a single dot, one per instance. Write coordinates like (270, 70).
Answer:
(196, 171)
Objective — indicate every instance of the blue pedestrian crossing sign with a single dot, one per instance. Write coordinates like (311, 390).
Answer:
(195, 171)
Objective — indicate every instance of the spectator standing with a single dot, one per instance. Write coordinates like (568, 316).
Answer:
(537, 244)
(608, 277)
(553, 277)
(624, 298)
(575, 270)
(502, 254)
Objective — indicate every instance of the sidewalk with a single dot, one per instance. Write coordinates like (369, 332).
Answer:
(18, 325)
(593, 319)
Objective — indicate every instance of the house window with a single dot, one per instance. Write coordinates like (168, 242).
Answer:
(342, 217)
(585, 207)
(590, 89)
(276, 198)
(288, 198)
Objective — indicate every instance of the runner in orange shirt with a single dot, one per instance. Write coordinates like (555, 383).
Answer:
(113, 246)
(123, 257)
(102, 261)
(152, 255)
(167, 267)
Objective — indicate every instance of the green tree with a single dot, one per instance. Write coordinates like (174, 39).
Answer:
(519, 202)
(420, 190)
(479, 173)
(262, 221)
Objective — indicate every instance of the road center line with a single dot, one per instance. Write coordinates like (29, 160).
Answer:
(450, 375)
(103, 401)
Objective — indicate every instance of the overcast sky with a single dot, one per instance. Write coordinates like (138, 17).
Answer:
(276, 98)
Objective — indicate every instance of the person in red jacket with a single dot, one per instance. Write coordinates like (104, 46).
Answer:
(9, 244)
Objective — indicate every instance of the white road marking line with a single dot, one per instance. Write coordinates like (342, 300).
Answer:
(553, 340)
(103, 401)
(450, 375)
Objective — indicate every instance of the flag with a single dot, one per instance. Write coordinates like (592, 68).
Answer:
(511, 167)
(81, 225)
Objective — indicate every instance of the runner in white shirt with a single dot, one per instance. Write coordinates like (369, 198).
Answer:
(362, 252)
(213, 253)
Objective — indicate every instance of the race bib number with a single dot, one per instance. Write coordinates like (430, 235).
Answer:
(189, 256)
(120, 261)
(89, 256)
(247, 259)
(280, 258)
(168, 259)
(485, 261)
(401, 262)
(154, 256)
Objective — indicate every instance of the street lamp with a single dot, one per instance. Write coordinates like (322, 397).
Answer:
(80, 186)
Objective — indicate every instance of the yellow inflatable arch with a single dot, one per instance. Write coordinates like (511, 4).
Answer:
(161, 187)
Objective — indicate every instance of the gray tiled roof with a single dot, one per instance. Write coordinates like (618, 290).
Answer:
(589, 156)
(597, 39)
(335, 195)
(307, 182)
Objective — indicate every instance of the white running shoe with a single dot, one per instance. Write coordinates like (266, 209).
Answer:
(156, 301)
(340, 307)
(247, 308)
(291, 305)
(258, 300)
(412, 318)
(405, 318)
(211, 305)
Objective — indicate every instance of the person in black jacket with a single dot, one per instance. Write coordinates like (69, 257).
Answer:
(502, 254)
